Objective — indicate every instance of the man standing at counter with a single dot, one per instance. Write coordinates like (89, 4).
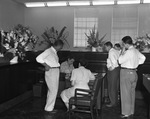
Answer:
(49, 59)
(129, 59)
(112, 74)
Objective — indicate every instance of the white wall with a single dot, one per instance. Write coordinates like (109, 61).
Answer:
(38, 19)
(144, 19)
(11, 14)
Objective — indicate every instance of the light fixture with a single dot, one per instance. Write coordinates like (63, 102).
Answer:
(58, 3)
(79, 3)
(104, 2)
(35, 4)
(128, 2)
(146, 1)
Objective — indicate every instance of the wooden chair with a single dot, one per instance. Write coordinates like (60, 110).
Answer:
(85, 101)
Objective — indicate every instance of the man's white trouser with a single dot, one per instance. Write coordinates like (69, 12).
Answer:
(52, 81)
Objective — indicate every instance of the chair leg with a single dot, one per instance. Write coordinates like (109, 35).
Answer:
(97, 111)
(92, 115)
(69, 112)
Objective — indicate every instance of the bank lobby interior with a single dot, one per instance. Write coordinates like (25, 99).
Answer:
(23, 89)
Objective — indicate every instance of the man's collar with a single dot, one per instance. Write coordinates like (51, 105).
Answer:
(53, 49)
(81, 67)
(130, 47)
(111, 49)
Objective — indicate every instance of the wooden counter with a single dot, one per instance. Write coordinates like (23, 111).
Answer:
(16, 79)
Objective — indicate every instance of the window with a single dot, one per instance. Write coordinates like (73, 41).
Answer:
(124, 22)
(82, 26)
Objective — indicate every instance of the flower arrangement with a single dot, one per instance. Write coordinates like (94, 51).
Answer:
(93, 38)
(50, 35)
(19, 40)
(142, 42)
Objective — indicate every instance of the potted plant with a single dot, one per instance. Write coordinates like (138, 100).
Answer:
(142, 43)
(50, 35)
(94, 42)
(18, 41)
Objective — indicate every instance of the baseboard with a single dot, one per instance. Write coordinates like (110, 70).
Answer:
(6, 105)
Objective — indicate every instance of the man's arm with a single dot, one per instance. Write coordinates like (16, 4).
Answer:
(47, 67)
(40, 59)
(142, 58)
(73, 77)
(124, 57)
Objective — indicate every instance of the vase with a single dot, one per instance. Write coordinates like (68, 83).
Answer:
(93, 49)
(100, 49)
(146, 50)
(14, 60)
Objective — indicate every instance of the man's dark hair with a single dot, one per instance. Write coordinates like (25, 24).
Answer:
(127, 40)
(108, 44)
(70, 57)
(83, 62)
(117, 45)
(58, 43)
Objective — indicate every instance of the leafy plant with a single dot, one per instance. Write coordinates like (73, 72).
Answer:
(19, 40)
(50, 35)
(142, 42)
(93, 38)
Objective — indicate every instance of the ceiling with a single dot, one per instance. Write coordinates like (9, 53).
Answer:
(25, 1)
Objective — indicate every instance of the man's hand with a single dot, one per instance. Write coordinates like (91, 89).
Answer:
(110, 68)
(47, 68)
(123, 51)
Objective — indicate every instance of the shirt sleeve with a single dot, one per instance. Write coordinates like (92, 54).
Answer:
(73, 77)
(51, 61)
(64, 68)
(142, 58)
(108, 63)
(112, 59)
(40, 58)
(92, 77)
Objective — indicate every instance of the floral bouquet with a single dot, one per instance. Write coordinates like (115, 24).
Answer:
(142, 42)
(50, 35)
(19, 40)
(93, 38)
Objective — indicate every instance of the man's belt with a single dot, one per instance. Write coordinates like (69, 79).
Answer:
(128, 68)
(54, 67)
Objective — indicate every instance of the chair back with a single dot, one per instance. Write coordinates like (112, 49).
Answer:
(97, 86)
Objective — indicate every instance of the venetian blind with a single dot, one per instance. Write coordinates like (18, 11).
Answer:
(124, 22)
(84, 20)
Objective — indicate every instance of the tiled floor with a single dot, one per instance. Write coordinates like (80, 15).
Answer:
(33, 109)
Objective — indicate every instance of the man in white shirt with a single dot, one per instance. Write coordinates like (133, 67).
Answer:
(112, 73)
(129, 60)
(49, 59)
(67, 66)
(79, 79)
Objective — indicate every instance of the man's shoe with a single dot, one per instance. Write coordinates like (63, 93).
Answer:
(110, 105)
(127, 116)
(51, 112)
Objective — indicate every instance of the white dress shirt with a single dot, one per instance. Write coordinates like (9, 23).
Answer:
(131, 58)
(50, 57)
(81, 76)
(66, 68)
(113, 56)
